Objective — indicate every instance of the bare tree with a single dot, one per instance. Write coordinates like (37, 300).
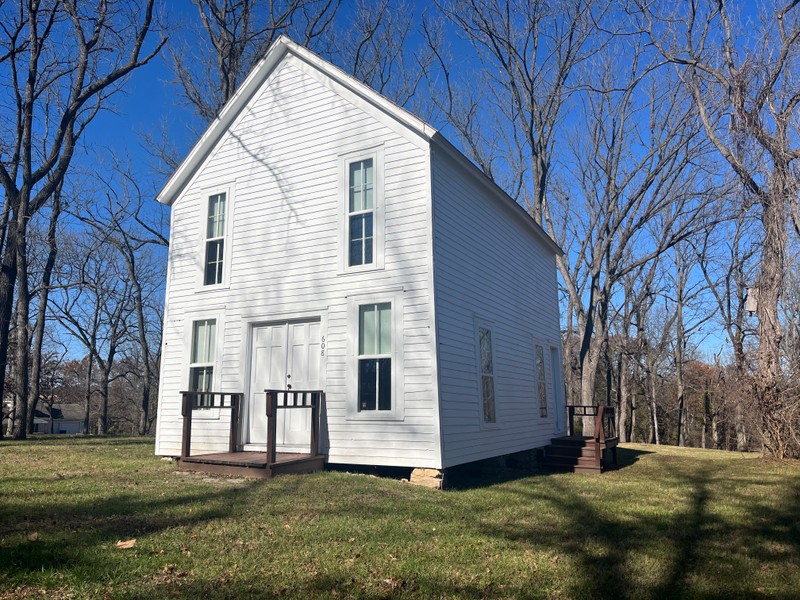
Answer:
(686, 293)
(62, 61)
(230, 36)
(742, 77)
(529, 51)
(636, 287)
(632, 194)
(94, 306)
(117, 218)
(727, 264)
(376, 49)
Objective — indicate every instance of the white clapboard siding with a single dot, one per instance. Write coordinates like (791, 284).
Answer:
(488, 265)
(282, 158)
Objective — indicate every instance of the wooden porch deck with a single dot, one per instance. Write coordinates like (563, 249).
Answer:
(238, 462)
(252, 464)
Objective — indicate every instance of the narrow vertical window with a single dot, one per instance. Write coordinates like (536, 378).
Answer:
(361, 212)
(375, 357)
(215, 239)
(201, 368)
(487, 374)
(541, 381)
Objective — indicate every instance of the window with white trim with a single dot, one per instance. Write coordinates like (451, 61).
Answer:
(542, 383)
(361, 212)
(215, 239)
(201, 364)
(486, 359)
(375, 357)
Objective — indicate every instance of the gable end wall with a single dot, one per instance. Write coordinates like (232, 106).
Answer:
(282, 157)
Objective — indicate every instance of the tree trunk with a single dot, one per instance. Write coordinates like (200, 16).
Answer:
(655, 438)
(707, 417)
(102, 421)
(588, 374)
(144, 412)
(569, 376)
(622, 426)
(87, 400)
(768, 390)
(8, 280)
(21, 331)
(41, 312)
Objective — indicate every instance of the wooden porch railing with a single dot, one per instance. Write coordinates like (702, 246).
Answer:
(605, 425)
(193, 401)
(292, 399)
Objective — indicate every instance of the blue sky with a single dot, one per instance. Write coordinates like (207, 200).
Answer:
(149, 101)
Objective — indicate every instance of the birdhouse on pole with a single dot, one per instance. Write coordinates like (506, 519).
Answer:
(751, 300)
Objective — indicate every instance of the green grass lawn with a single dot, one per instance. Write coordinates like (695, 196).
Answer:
(670, 523)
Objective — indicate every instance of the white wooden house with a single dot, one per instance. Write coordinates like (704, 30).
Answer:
(325, 239)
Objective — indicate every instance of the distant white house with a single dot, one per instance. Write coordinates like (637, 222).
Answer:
(60, 418)
(324, 238)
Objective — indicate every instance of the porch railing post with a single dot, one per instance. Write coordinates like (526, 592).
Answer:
(186, 411)
(316, 400)
(570, 420)
(599, 431)
(234, 438)
(272, 406)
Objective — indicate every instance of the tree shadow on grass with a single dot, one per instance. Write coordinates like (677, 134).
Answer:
(63, 533)
(628, 456)
(601, 542)
(500, 470)
(688, 549)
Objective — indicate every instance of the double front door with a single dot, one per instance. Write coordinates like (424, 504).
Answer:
(285, 356)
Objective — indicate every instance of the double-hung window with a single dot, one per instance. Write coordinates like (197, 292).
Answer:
(542, 383)
(486, 373)
(375, 357)
(201, 368)
(361, 212)
(215, 239)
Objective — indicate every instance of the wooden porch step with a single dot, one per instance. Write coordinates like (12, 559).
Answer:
(252, 464)
(570, 461)
(307, 464)
(228, 470)
(574, 454)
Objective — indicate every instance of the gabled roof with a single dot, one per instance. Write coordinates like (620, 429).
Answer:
(63, 412)
(284, 46)
(250, 86)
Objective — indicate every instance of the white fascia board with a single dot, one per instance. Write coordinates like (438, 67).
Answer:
(495, 190)
(258, 75)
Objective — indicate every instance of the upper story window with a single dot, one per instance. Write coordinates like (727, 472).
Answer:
(375, 357)
(201, 365)
(215, 239)
(361, 212)
(540, 378)
(486, 373)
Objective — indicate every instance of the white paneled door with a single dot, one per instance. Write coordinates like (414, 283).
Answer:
(284, 356)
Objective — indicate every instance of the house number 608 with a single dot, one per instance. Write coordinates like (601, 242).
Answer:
(322, 346)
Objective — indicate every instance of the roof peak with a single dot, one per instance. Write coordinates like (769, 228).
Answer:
(279, 49)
